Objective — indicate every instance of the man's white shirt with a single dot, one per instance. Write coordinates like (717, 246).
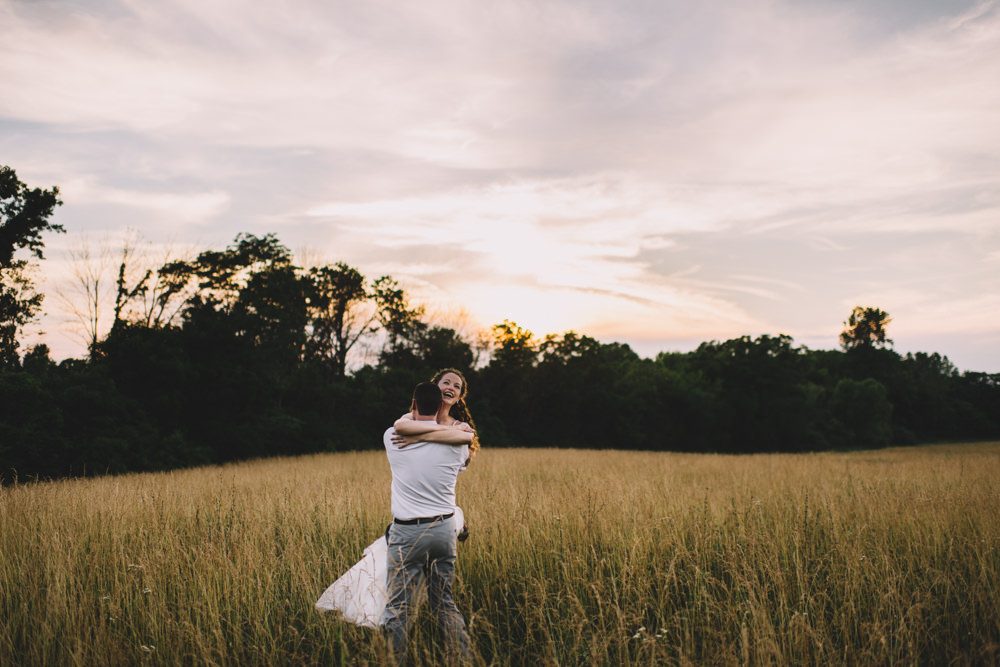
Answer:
(423, 477)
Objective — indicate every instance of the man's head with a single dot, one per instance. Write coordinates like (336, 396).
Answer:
(426, 399)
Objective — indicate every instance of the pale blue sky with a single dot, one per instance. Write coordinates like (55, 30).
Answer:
(659, 173)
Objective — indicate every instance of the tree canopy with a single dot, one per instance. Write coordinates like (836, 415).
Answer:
(239, 353)
(24, 216)
(865, 328)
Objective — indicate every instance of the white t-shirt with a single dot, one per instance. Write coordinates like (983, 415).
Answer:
(423, 477)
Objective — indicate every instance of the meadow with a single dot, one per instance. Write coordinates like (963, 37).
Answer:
(575, 557)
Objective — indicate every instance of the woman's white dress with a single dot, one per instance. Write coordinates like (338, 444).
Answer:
(360, 594)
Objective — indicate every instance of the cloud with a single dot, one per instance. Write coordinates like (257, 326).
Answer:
(695, 169)
(183, 207)
(737, 93)
(540, 223)
(554, 252)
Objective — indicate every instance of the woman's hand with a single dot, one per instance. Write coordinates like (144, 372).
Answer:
(404, 440)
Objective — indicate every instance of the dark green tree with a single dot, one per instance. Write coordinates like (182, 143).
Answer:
(337, 297)
(24, 217)
(514, 348)
(582, 394)
(501, 391)
(222, 275)
(864, 410)
(760, 399)
(865, 328)
(400, 321)
(571, 345)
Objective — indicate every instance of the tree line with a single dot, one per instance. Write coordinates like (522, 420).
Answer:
(240, 353)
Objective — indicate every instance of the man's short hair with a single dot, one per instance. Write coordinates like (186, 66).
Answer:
(428, 398)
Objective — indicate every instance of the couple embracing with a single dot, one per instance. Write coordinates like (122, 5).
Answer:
(426, 448)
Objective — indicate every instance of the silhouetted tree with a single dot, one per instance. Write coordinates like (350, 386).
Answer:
(399, 320)
(339, 313)
(571, 345)
(255, 364)
(441, 347)
(759, 392)
(865, 328)
(24, 217)
(513, 348)
(90, 291)
(582, 394)
(864, 410)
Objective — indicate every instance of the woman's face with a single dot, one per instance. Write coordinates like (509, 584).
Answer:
(451, 387)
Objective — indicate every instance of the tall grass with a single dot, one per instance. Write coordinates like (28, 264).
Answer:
(596, 557)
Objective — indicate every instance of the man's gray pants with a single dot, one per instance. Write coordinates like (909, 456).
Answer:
(418, 553)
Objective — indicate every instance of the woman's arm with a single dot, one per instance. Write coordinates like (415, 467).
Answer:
(452, 437)
(410, 431)
(408, 426)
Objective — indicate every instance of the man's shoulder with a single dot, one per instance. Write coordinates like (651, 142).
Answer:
(387, 438)
(393, 448)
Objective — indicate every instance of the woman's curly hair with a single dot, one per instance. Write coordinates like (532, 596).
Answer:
(460, 410)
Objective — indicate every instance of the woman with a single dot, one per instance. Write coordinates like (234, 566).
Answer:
(454, 413)
(360, 593)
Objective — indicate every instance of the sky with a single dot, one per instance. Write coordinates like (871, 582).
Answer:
(654, 172)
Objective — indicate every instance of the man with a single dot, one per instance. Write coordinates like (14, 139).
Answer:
(422, 538)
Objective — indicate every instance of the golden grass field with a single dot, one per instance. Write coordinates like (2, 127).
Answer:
(576, 558)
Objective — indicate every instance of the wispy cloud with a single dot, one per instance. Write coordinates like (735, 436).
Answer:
(196, 207)
(651, 169)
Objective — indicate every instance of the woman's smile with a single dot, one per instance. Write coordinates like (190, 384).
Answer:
(451, 387)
